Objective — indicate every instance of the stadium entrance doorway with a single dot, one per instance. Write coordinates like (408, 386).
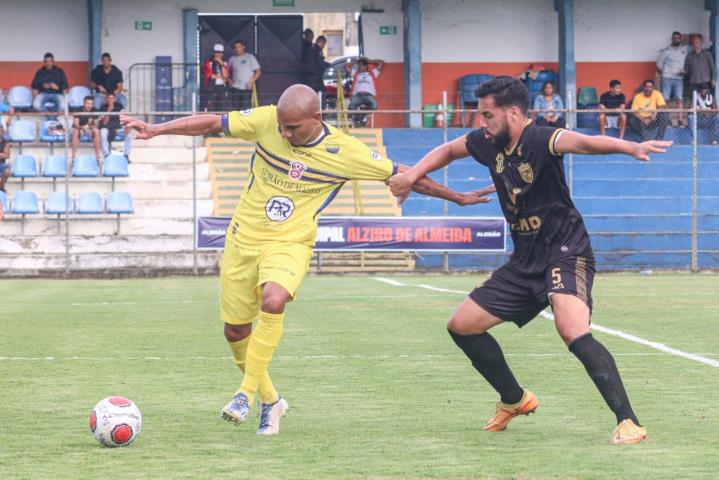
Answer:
(276, 41)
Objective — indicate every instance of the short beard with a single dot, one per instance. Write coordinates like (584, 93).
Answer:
(501, 140)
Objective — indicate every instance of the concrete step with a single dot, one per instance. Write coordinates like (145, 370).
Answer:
(138, 189)
(169, 141)
(108, 264)
(52, 244)
(166, 155)
(167, 172)
(93, 225)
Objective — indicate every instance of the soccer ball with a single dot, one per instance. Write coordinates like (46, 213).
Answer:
(115, 421)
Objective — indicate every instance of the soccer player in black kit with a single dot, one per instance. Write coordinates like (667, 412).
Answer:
(552, 263)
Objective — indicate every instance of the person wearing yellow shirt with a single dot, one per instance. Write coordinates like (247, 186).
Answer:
(299, 165)
(647, 117)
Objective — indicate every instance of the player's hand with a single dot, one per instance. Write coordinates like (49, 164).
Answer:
(476, 196)
(642, 151)
(401, 185)
(144, 130)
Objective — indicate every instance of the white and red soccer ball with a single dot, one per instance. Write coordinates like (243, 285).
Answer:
(115, 421)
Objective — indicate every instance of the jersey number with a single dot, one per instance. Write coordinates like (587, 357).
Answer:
(557, 278)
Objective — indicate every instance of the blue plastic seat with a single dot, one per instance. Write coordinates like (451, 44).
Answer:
(24, 166)
(25, 202)
(57, 203)
(20, 97)
(115, 166)
(76, 96)
(46, 136)
(54, 166)
(90, 203)
(22, 131)
(4, 201)
(119, 202)
(85, 166)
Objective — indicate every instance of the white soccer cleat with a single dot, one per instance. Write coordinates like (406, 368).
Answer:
(271, 415)
(237, 410)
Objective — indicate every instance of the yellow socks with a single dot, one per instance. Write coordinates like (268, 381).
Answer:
(263, 342)
(266, 389)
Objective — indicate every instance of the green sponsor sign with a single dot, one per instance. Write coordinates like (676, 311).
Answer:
(388, 30)
(143, 25)
(283, 3)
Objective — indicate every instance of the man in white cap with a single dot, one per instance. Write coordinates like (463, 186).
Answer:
(217, 72)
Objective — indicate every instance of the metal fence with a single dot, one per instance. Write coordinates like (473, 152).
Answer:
(664, 214)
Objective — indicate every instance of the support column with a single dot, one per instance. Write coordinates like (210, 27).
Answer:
(713, 7)
(190, 26)
(94, 22)
(567, 65)
(412, 61)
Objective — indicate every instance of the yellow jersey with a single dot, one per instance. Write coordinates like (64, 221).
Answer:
(288, 187)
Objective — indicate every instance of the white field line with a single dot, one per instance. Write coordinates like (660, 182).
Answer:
(609, 331)
(305, 357)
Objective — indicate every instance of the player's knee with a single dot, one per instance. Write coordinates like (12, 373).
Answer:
(460, 326)
(274, 302)
(235, 333)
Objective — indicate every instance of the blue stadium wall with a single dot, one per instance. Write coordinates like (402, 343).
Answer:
(639, 215)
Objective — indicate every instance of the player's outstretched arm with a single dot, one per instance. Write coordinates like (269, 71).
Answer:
(427, 186)
(194, 125)
(402, 183)
(573, 142)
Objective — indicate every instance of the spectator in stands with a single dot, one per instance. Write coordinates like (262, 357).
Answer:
(49, 85)
(86, 125)
(671, 67)
(706, 111)
(547, 103)
(648, 102)
(110, 124)
(217, 73)
(364, 74)
(5, 107)
(244, 72)
(316, 65)
(107, 78)
(307, 38)
(4, 159)
(611, 104)
(699, 65)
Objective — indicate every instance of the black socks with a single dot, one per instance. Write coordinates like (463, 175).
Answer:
(603, 371)
(487, 357)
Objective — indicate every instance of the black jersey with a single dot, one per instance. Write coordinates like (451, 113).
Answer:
(534, 197)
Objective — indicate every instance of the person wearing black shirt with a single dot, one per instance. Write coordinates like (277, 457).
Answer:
(315, 65)
(86, 125)
(4, 159)
(107, 78)
(49, 86)
(110, 124)
(552, 263)
(612, 103)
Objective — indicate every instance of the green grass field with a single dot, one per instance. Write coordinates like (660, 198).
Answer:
(376, 387)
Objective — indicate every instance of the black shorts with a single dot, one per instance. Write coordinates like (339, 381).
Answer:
(517, 298)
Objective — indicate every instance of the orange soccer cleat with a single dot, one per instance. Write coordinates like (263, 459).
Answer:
(628, 432)
(505, 413)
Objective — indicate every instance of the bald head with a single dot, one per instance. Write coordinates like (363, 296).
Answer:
(299, 99)
(298, 113)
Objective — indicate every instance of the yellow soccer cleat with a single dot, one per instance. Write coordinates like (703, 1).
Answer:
(628, 432)
(505, 413)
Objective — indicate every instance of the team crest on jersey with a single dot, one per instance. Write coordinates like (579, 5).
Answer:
(499, 168)
(296, 170)
(332, 147)
(525, 171)
(244, 113)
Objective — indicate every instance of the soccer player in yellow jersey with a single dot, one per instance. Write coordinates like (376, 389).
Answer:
(300, 164)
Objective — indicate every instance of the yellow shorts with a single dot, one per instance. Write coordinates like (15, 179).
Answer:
(245, 269)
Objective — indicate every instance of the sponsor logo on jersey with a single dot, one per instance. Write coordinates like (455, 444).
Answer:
(332, 147)
(527, 225)
(375, 155)
(279, 209)
(244, 113)
(296, 170)
(525, 171)
(499, 168)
